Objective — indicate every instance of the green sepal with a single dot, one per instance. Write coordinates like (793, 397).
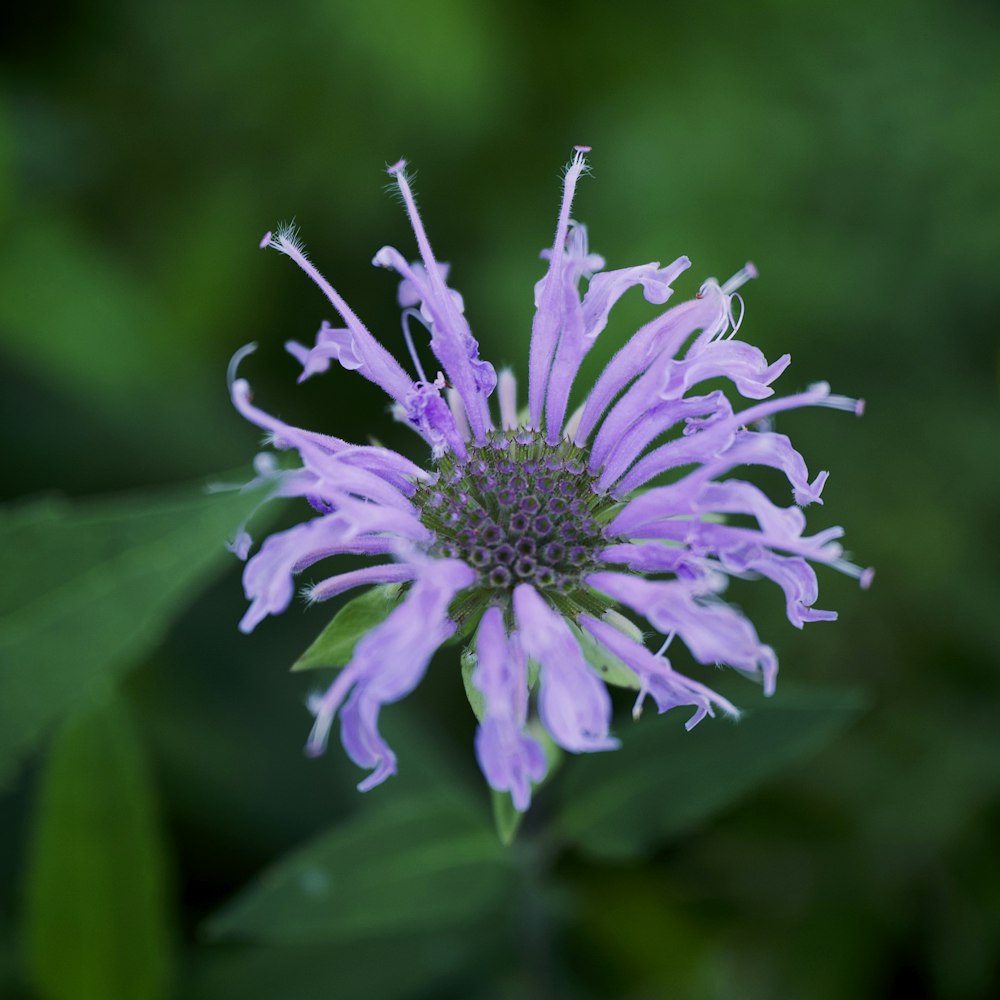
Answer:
(335, 644)
(505, 816)
(610, 668)
(476, 700)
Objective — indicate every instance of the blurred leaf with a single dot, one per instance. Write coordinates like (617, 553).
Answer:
(412, 862)
(88, 587)
(665, 780)
(476, 700)
(505, 816)
(335, 644)
(96, 921)
(359, 971)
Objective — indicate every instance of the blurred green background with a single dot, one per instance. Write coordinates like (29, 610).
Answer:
(842, 842)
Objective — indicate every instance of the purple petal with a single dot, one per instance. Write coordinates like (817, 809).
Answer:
(433, 418)
(621, 451)
(509, 758)
(792, 573)
(662, 338)
(451, 339)
(387, 664)
(369, 357)
(330, 344)
(550, 298)
(574, 705)
(714, 632)
(385, 573)
(583, 322)
(720, 435)
(667, 688)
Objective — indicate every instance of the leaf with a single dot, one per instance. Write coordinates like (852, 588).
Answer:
(335, 644)
(88, 588)
(416, 965)
(664, 781)
(96, 921)
(413, 862)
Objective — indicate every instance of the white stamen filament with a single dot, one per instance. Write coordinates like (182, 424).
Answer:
(234, 362)
(864, 575)
(409, 314)
(666, 642)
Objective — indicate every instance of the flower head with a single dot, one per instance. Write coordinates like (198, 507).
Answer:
(531, 536)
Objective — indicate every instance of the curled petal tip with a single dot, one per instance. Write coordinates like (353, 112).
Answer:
(396, 168)
(859, 408)
(866, 578)
(265, 240)
(582, 149)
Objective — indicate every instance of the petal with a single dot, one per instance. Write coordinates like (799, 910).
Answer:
(584, 321)
(384, 573)
(668, 688)
(550, 299)
(714, 632)
(662, 337)
(451, 339)
(509, 758)
(574, 705)
(387, 664)
(364, 352)
(330, 344)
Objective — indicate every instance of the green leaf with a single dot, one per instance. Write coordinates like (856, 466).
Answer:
(418, 860)
(335, 644)
(88, 588)
(96, 921)
(505, 816)
(476, 700)
(396, 967)
(665, 781)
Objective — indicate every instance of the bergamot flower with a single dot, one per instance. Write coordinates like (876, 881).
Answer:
(533, 536)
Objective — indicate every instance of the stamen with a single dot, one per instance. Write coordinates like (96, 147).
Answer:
(864, 575)
(507, 393)
(234, 362)
(666, 643)
(746, 273)
(738, 321)
(409, 314)
(845, 403)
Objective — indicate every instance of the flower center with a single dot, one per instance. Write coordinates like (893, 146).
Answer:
(519, 510)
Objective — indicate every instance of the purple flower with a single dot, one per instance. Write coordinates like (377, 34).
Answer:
(531, 536)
